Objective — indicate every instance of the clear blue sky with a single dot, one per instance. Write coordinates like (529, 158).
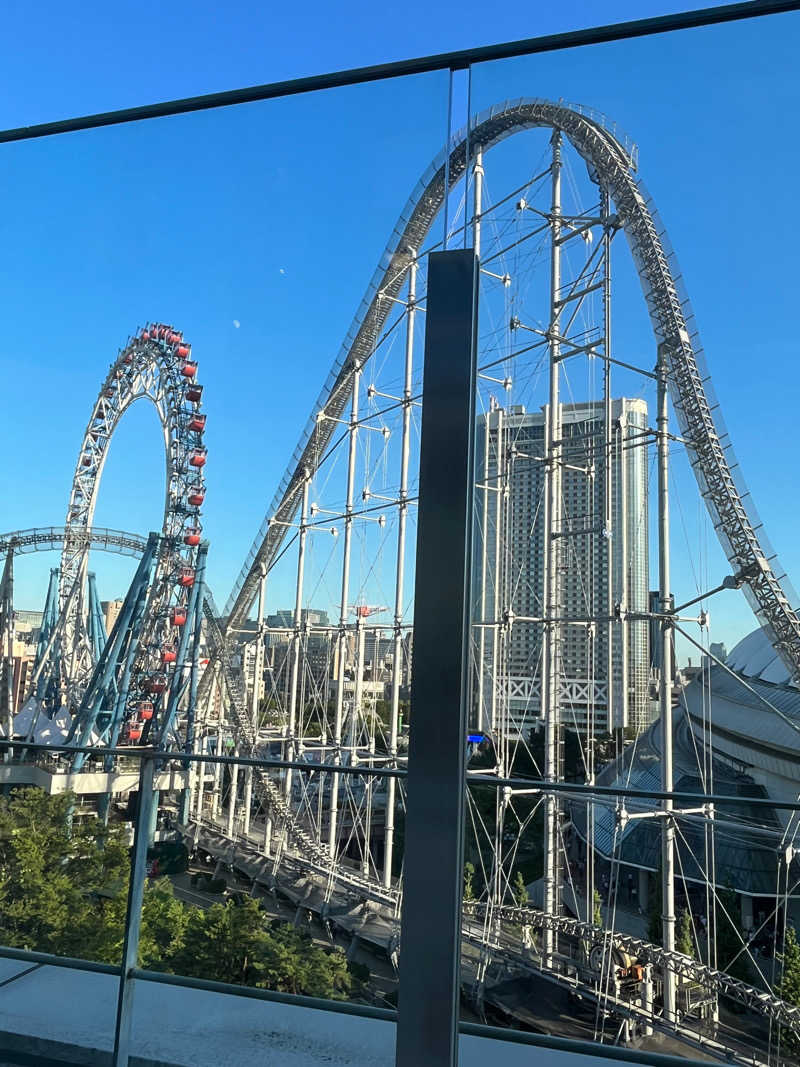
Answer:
(274, 216)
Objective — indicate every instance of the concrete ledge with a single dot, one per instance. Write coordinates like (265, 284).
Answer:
(39, 1052)
(87, 783)
(55, 1015)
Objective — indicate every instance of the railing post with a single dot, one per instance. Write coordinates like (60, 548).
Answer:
(427, 1031)
(133, 916)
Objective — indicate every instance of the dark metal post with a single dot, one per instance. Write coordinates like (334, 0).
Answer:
(427, 1030)
(133, 917)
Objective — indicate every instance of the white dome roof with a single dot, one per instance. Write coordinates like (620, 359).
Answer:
(755, 657)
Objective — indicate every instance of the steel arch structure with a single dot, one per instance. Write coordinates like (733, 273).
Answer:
(122, 542)
(612, 166)
(50, 538)
(155, 364)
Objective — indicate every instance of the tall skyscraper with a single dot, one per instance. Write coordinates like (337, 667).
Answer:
(111, 610)
(509, 567)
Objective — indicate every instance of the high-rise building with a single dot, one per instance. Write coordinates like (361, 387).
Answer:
(317, 654)
(111, 610)
(23, 654)
(717, 651)
(509, 568)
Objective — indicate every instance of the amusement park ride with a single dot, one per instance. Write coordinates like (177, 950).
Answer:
(326, 827)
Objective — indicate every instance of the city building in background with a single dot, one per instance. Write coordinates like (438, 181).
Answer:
(587, 912)
(111, 610)
(514, 558)
(716, 651)
(27, 625)
(316, 664)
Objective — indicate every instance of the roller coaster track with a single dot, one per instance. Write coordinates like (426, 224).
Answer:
(313, 856)
(51, 538)
(316, 856)
(612, 167)
(602, 992)
(673, 327)
(311, 852)
(719, 982)
(757, 1000)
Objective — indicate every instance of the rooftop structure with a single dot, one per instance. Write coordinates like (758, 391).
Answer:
(744, 737)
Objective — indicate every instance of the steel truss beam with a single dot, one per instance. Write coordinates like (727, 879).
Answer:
(154, 364)
(47, 538)
(612, 166)
(757, 1000)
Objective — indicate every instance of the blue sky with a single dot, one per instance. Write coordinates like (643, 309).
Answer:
(274, 216)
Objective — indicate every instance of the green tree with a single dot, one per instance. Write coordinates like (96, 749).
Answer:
(63, 882)
(684, 941)
(731, 954)
(163, 931)
(597, 910)
(224, 944)
(64, 889)
(655, 930)
(788, 988)
(469, 875)
(293, 964)
(230, 943)
(520, 891)
(268, 713)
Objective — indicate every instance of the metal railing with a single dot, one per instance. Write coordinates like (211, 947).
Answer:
(149, 760)
(128, 972)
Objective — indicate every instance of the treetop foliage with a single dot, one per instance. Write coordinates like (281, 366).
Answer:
(64, 890)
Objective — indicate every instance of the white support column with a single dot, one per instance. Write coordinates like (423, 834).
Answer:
(606, 605)
(358, 689)
(344, 607)
(500, 498)
(665, 689)
(477, 206)
(553, 530)
(216, 788)
(358, 723)
(400, 570)
(484, 571)
(290, 751)
(258, 672)
(647, 998)
(7, 651)
(625, 591)
(502, 605)
(202, 747)
(247, 792)
(608, 505)
(232, 797)
(200, 780)
(477, 203)
(267, 846)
